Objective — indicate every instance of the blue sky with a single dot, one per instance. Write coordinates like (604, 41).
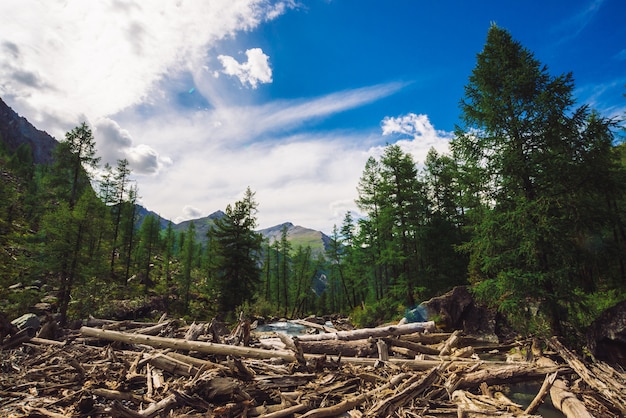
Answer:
(288, 97)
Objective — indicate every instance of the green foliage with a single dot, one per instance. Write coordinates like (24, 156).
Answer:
(237, 251)
(377, 313)
(537, 171)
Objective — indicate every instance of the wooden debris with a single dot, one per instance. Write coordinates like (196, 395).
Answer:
(566, 402)
(611, 385)
(125, 369)
(365, 333)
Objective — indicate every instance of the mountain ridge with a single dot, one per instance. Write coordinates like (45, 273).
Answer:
(16, 130)
(297, 235)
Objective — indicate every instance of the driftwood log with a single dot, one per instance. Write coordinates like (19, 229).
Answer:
(179, 344)
(365, 333)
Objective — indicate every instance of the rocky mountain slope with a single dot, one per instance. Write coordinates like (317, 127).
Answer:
(16, 130)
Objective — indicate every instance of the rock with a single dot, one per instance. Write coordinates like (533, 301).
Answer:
(29, 320)
(42, 308)
(457, 309)
(6, 327)
(606, 336)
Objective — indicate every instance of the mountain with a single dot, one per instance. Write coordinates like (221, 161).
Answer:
(141, 213)
(298, 236)
(202, 225)
(16, 130)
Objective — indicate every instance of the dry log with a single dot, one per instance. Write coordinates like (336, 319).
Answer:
(18, 338)
(543, 391)
(426, 338)
(313, 325)
(412, 346)
(286, 412)
(383, 352)
(171, 365)
(194, 331)
(44, 341)
(198, 363)
(359, 348)
(388, 406)
(179, 344)
(504, 373)
(451, 343)
(152, 330)
(567, 402)
(365, 333)
(109, 323)
(288, 341)
(615, 394)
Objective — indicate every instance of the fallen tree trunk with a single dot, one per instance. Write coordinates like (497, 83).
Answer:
(504, 374)
(603, 384)
(361, 348)
(566, 402)
(365, 333)
(179, 344)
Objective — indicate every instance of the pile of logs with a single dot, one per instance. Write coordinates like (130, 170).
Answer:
(131, 369)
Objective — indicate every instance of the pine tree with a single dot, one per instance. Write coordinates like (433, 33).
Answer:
(530, 163)
(239, 248)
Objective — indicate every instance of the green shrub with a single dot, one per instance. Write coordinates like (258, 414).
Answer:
(374, 314)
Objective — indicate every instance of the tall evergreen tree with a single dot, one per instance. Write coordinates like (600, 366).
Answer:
(187, 254)
(239, 250)
(147, 249)
(526, 156)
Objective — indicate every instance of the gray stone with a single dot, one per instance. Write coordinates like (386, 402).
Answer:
(457, 310)
(28, 320)
(606, 336)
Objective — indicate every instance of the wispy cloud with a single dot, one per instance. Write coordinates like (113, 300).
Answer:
(96, 58)
(573, 25)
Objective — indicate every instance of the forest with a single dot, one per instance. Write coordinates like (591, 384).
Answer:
(528, 209)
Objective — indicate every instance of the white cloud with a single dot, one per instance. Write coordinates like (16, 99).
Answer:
(114, 143)
(97, 58)
(423, 135)
(255, 70)
(309, 179)
(111, 140)
(191, 212)
(143, 159)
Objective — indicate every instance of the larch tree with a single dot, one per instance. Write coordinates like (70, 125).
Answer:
(238, 249)
(525, 156)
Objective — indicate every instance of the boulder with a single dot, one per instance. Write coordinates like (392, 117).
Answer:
(606, 336)
(457, 310)
(29, 320)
